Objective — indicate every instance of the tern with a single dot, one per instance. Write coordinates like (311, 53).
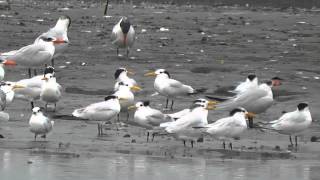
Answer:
(50, 90)
(184, 128)
(292, 123)
(34, 55)
(7, 91)
(168, 87)
(229, 127)
(32, 87)
(39, 123)
(60, 33)
(123, 35)
(101, 111)
(121, 75)
(125, 91)
(256, 99)
(147, 117)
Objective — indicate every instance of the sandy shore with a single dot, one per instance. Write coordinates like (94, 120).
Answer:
(210, 48)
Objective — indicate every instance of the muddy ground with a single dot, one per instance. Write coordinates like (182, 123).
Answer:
(206, 47)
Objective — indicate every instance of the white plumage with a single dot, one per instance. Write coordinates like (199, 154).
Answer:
(123, 35)
(39, 124)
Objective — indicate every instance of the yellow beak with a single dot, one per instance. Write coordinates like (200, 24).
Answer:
(152, 73)
(136, 88)
(210, 107)
(213, 103)
(132, 107)
(250, 115)
(122, 99)
(130, 72)
(17, 86)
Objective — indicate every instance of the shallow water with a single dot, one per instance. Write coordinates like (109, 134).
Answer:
(16, 164)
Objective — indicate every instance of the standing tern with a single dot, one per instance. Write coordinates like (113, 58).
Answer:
(292, 123)
(184, 128)
(125, 91)
(147, 117)
(39, 123)
(60, 33)
(50, 90)
(36, 54)
(121, 75)
(229, 127)
(168, 87)
(101, 111)
(123, 35)
(32, 87)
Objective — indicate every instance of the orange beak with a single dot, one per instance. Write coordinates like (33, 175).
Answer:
(9, 62)
(59, 41)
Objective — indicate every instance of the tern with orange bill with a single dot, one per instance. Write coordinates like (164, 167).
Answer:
(60, 33)
(123, 35)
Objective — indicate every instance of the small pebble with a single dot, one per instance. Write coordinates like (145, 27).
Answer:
(126, 136)
(133, 141)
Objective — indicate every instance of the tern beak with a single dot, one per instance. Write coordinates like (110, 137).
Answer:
(17, 86)
(250, 115)
(152, 73)
(129, 71)
(210, 107)
(136, 88)
(132, 107)
(9, 63)
(45, 78)
(59, 41)
(123, 99)
(213, 103)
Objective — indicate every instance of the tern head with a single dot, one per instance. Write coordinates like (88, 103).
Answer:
(302, 106)
(241, 111)
(129, 86)
(65, 19)
(36, 110)
(111, 97)
(208, 105)
(125, 25)
(10, 86)
(139, 105)
(276, 81)
(49, 70)
(158, 72)
(121, 71)
(48, 76)
(251, 77)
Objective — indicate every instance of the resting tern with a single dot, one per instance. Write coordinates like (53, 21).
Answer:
(256, 99)
(294, 122)
(40, 124)
(125, 91)
(147, 117)
(50, 90)
(251, 82)
(36, 54)
(32, 87)
(183, 128)
(229, 127)
(168, 87)
(123, 35)
(60, 33)
(121, 75)
(101, 111)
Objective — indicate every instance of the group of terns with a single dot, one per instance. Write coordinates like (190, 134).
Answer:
(190, 124)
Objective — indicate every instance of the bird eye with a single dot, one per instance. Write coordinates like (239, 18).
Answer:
(9, 84)
(141, 105)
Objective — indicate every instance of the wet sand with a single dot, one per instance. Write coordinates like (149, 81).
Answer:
(209, 48)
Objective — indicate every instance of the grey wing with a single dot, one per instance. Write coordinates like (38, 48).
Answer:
(243, 98)
(156, 118)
